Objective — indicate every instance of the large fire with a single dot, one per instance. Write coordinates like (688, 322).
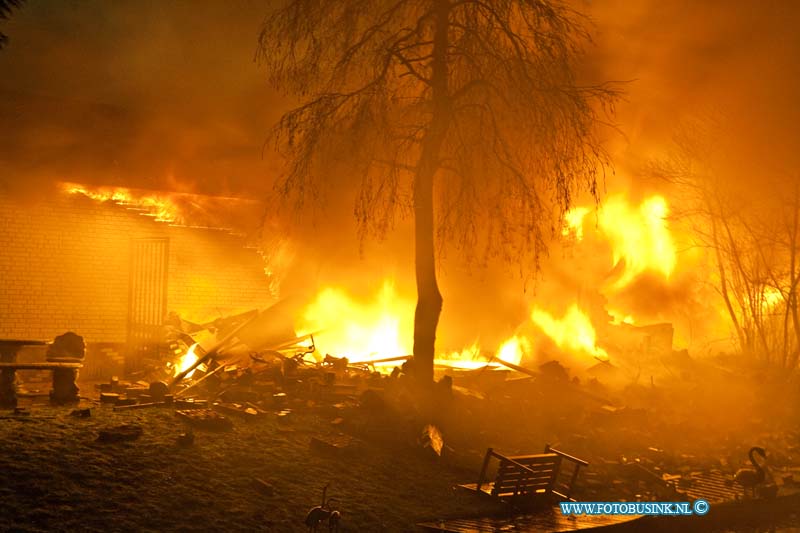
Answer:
(382, 326)
(639, 236)
(573, 332)
(159, 206)
(372, 328)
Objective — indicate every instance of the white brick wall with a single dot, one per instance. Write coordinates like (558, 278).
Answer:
(64, 265)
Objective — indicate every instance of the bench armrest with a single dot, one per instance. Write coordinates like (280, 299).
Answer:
(580, 462)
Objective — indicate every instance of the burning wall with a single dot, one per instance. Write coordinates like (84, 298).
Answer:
(65, 265)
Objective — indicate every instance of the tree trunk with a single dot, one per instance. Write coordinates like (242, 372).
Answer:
(429, 299)
(795, 276)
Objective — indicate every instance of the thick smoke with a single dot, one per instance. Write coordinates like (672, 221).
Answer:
(166, 95)
(155, 95)
(733, 59)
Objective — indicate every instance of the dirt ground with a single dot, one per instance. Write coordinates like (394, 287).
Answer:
(57, 477)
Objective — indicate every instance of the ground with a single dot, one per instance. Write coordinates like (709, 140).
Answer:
(58, 477)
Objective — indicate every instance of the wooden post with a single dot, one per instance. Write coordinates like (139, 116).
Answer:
(483, 469)
(572, 480)
(8, 376)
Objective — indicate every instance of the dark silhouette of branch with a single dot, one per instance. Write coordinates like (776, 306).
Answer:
(6, 8)
(465, 113)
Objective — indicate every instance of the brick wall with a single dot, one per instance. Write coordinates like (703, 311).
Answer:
(211, 274)
(64, 265)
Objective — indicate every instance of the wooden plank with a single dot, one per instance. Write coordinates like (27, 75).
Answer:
(532, 472)
(506, 471)
(513, 490)
(531, 479)
(572, 458)
(484, 488)
(212, 352)
(503, 485)
(482, 475)
(528, 479)
(553, 457)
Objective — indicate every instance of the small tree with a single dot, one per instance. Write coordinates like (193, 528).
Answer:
(466, 113)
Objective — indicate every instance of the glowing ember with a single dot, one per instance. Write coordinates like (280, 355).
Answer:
(573, 332)
(360, 330)
(186, 361)
(639, 237)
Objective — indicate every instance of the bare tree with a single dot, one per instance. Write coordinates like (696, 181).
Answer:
(6, 6)
(465, 113)
(753, 239)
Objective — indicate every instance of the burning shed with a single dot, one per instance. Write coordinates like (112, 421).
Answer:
(111, 266)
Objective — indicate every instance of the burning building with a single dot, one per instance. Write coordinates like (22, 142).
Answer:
(562, 262)
(113, 264)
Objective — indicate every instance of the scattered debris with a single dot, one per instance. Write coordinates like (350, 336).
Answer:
(336, 444)
(109, 397)
(263, 487)
(158, 391)
(124, 405)
(432, 439)
(205, 419)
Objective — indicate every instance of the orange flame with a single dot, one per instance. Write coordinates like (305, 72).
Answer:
(618, 317)
(186, 361)
(360, 330)
(639, 236)
(573, 222)
(512, 350)
(381, 327)
(158, 206)
(573, 332)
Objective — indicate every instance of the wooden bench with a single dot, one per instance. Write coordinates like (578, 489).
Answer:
(525, 479)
